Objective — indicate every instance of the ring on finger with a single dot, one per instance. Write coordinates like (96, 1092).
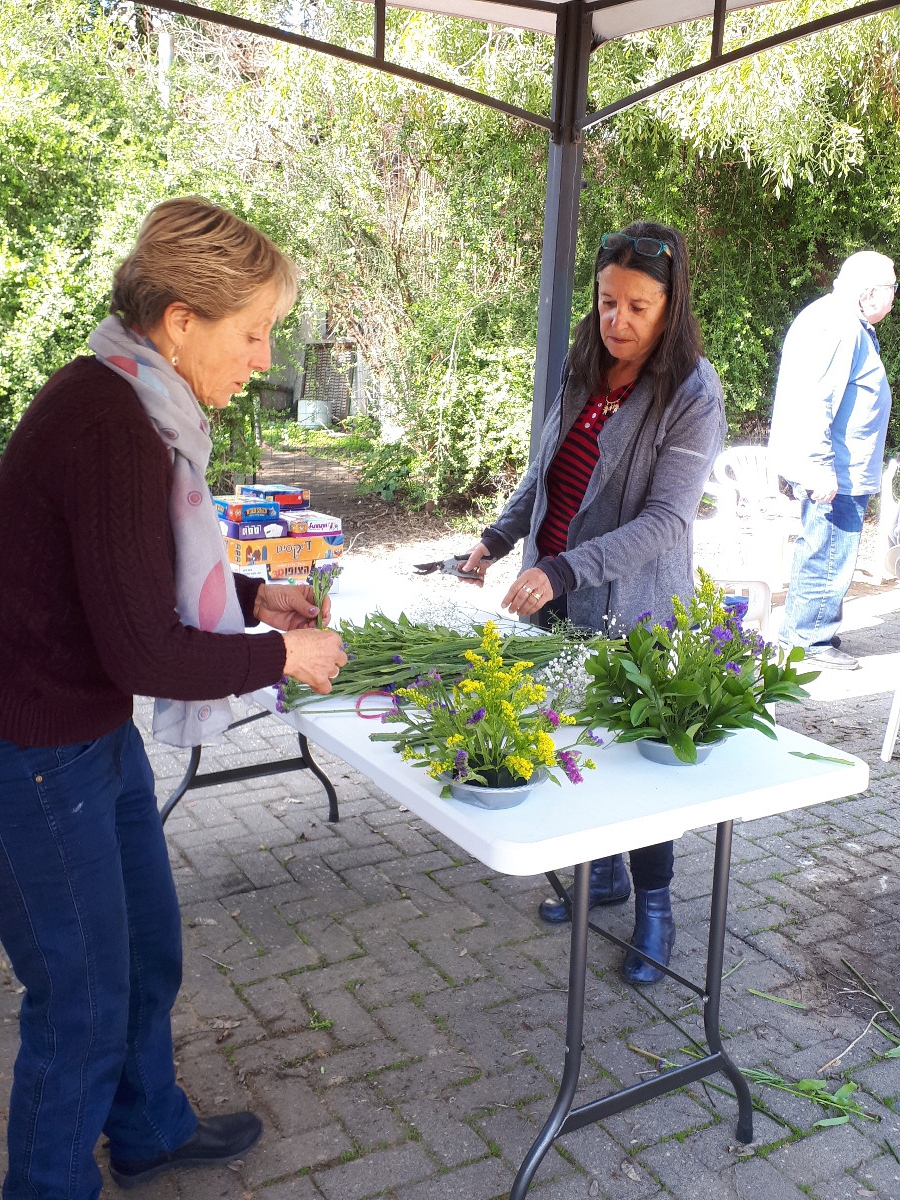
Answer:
(536, 595)
(526, 589)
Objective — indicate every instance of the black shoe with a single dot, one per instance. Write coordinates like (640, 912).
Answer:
(609, 885)
(215, 1141)
(654, 933)
(828, 656)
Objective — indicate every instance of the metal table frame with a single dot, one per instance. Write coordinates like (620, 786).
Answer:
(305, 762)
(563, 1117)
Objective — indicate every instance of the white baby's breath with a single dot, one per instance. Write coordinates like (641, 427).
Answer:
(565, 678)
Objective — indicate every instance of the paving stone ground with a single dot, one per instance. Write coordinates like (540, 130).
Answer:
(395, 1011)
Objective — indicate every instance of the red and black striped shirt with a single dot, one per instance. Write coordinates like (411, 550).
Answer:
(571, 469)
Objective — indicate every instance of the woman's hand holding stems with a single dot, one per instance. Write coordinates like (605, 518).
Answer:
(312, 656)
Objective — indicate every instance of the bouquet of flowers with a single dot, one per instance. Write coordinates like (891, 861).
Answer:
(488, 729)
(696, 679)
(386, 653)
(321, 579)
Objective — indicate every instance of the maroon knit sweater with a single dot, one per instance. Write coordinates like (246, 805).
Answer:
(87, 591)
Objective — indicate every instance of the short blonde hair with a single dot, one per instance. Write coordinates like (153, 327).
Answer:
(195, 252)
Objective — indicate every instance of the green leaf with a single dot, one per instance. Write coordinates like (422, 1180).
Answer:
(681, 687)
(844, 762)
(639, 710)
(780, 1000)
(826, 1121)
(684, 748)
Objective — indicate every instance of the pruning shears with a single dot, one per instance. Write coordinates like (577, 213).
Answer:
(452, 566)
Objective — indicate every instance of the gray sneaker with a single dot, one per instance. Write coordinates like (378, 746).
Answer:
(830, 656)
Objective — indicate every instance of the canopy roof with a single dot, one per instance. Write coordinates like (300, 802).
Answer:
(611, 18)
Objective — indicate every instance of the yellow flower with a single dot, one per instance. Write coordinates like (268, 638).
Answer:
(409, 752)
(546, 750)
(490, 638)
(533, 693)
(589, 764)
(456, 739)
(519, 766)
(566, 720)
(470, 686)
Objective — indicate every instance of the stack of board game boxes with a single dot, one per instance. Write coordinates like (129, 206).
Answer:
(272, 533)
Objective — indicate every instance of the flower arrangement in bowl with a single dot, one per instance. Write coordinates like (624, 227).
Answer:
(487, 730)
(692, 681)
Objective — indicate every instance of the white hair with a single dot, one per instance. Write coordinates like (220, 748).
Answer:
(862, 271)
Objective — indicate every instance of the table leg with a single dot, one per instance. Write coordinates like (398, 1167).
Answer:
(574, 1035)
(306, 761)
(333, 814)
(186, 784)
(714, 963)
(566, 1119)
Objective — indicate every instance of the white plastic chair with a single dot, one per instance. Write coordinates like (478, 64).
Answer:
(893, 725)
(884, 562)
(749, 535)
(759, 600)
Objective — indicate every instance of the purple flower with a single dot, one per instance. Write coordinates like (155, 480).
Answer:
(569, 762)
(732, 666)
(280, 705)
(645, 616)
(672, 624)
(552, 717)
(592, 737)
(461, 765)
(478, 715)
(396, 658)
(434, 676)
(719, 634)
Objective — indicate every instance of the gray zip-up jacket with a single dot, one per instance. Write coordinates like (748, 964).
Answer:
(630, 545)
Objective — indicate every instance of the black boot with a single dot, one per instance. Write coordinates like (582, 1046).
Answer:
(215, 1141)
(609, 885)
(654, 933)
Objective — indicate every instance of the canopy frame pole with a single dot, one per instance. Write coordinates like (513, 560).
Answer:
(568, 106)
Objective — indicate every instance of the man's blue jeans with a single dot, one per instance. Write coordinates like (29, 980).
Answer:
(89, 919)
(824, 560)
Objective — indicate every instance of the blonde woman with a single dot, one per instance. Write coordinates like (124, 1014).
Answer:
(120, 587)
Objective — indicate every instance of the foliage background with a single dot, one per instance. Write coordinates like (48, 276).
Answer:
(415, 217)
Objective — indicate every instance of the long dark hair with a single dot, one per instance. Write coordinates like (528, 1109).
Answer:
(681, 345)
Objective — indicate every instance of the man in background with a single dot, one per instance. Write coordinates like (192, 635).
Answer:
(832, 404)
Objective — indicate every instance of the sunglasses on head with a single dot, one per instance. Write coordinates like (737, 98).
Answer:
(649, 247)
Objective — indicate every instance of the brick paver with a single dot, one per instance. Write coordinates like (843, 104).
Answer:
(395, 1011)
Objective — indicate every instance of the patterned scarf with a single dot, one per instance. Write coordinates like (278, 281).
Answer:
(204, 588)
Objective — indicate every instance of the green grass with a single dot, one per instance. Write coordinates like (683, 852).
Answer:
(284, 434)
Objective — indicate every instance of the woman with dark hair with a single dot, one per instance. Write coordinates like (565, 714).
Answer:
(607, 505)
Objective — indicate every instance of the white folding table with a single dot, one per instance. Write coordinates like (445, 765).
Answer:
(627, 802)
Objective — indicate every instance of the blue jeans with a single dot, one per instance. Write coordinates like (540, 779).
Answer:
(824, 560)
(89, 919)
